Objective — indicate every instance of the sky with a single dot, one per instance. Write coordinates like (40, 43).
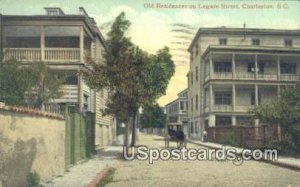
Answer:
(151, 27)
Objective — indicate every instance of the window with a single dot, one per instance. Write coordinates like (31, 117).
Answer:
(191, 57)
(223, 97)
(251, 67)
(72, 80)
(288, 68)
(196, 102)
(181, 105)
(192, 104)
(197, 48)
(85, 102)
(197, 73)
(261, 67)
(255, 42)
(192, 127)
(222, 66)
(196, 127)
(222, 121)
(288, 43)
(223, 41)
(192, 78)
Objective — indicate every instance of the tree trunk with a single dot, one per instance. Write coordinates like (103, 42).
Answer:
(133, 136)
(125, 142)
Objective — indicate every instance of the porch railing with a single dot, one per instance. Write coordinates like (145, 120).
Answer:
(243, 108)
(22, 54)
(62, 54)
(222, 76)
(70, 94)
(244, 76)
(289, 77)
(267, 76)
(222, 108)
(51, 54)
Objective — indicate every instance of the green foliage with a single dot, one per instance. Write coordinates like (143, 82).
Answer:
(287, 146)
(153, 117)
(286, 112)
(13, 84)
(33, 179)
(229, 139)
(30, 85)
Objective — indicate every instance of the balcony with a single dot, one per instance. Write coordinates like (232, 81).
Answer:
(51, 54)
(248, 76)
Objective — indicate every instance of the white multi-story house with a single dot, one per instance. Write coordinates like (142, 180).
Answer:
(62, 41)
(177, 111)
(235, 69)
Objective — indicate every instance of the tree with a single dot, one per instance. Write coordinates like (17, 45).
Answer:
(134, 77)
(285, 111)
(28, 85)
(153, 117)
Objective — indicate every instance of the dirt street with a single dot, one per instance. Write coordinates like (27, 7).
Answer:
(198, 173)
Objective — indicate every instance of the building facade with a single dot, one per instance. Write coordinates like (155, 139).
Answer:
(176, 111)
(64, 42)
(235, 69)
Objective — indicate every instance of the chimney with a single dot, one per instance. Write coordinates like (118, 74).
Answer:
(54, 11)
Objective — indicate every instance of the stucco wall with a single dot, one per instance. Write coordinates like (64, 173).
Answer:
(30, 142)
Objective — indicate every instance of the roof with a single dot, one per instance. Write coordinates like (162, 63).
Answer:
(251, 49)
(242, 31)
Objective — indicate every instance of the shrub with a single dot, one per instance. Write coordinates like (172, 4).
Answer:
(229, 139)
(33, 179)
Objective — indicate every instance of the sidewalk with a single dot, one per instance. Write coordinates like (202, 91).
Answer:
(287, 162)
(82, 174)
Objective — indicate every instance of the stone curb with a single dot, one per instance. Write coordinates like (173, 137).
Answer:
(99, 177)
(274, 162)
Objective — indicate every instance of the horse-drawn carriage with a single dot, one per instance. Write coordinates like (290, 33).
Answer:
(175, 134)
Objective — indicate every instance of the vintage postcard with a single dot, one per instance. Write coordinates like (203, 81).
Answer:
(149, 93)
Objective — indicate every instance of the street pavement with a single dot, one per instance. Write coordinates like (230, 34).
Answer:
(176, 173)
(198, 173)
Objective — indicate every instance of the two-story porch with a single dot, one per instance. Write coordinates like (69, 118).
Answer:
(258, 64)
(48, 43)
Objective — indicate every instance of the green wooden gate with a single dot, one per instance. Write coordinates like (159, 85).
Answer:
(80, 135)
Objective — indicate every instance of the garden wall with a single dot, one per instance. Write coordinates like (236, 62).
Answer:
(30, 140)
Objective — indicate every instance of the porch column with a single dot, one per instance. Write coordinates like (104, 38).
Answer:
(210, 65)
(278, 67)
(256, 121)
(81, 44)
(233, 97)
(233, 66)
(233, 119)
(256, 94)
(212, 120)
(42, 42)
(210, 98)
(255, 66)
